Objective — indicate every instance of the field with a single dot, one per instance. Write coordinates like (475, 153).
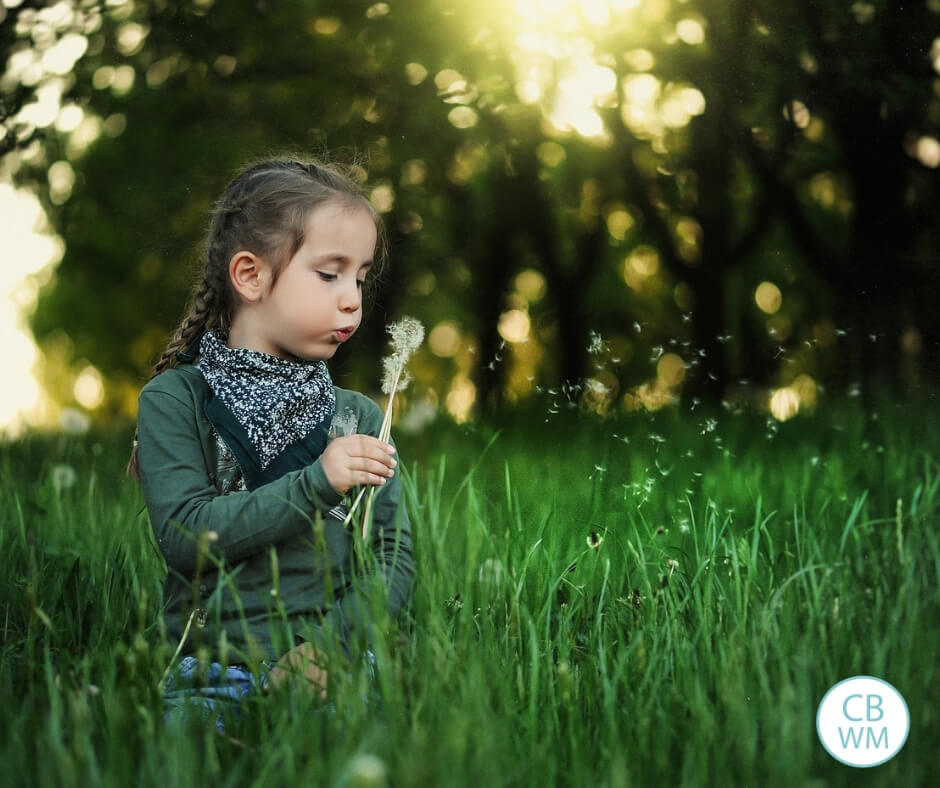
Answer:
(656, 600)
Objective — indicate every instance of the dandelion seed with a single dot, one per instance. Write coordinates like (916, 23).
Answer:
(656, 353)
(367, 770)
(672, 564)
(687, 317)
(841, 332)
(63, 477)
(637, 327)
(723, 339)
(594, 540)
(595, 344)
(74, 422)
(684, 526)
(709, 425)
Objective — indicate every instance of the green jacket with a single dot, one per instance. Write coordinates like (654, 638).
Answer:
(255, 572)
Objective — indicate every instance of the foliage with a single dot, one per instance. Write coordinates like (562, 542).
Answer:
(713, 145)
(659, 600)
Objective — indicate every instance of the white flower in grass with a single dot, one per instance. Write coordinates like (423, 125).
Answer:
(74, 422)
(366, 770)
(63, 477)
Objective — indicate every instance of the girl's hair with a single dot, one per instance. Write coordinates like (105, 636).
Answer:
(263, 210)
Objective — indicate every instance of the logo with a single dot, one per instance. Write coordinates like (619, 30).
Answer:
(863, 721)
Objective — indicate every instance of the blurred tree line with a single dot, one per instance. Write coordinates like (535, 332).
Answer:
(575, 191)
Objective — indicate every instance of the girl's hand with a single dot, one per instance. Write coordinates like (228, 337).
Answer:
(301, 662)
(357, 459)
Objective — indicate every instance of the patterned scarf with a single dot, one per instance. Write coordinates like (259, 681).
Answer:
(277, 401)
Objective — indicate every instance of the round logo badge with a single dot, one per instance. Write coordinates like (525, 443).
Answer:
(863, 721)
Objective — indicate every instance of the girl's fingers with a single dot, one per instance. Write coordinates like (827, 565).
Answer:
(367, 446)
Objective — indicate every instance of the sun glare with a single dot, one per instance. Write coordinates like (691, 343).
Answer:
(560, 66)
(35, 252)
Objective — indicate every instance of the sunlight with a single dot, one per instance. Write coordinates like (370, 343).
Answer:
(560, 65)
(22, 401)
(556, 62)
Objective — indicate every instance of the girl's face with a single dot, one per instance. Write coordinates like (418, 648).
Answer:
(316, 303)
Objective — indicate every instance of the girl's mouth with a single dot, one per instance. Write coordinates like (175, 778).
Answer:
(342, 334)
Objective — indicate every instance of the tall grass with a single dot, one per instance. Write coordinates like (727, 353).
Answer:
(653, 601)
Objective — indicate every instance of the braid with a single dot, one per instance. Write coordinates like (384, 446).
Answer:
(204, 313)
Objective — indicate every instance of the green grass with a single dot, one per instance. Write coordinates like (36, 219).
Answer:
(740, 569)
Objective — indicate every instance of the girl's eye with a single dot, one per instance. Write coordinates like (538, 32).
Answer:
(327, 277)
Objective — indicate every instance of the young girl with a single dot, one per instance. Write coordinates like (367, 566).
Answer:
(246, 449)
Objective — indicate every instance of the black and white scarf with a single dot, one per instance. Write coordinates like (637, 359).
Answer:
(276, 401)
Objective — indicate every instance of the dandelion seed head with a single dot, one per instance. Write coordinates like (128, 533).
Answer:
(74, 422)
(63, 477)
(407, 335)
(366, 769)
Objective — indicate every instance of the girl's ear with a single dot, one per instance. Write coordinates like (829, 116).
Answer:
(249, 275)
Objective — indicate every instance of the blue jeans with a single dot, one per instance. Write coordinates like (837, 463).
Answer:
(211, 689)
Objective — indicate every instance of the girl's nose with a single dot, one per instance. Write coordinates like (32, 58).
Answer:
(350, 298)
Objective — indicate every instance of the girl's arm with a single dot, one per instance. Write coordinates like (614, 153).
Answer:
(183, 500)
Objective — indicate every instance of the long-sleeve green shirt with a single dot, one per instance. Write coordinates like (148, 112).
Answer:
(257, 571)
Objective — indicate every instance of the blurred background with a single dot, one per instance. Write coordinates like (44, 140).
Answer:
(608, 205)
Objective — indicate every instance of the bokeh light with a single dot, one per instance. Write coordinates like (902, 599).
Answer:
(768, 297)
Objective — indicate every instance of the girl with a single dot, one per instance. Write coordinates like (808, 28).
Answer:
(245, 449)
